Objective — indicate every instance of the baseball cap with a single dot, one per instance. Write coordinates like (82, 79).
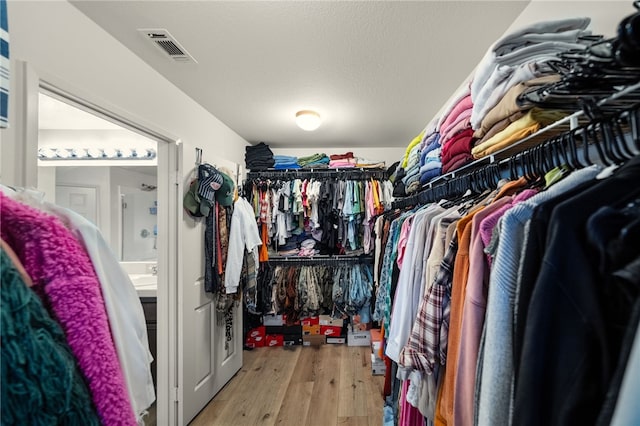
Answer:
(193, 204)
(224, 194)
(209, 181)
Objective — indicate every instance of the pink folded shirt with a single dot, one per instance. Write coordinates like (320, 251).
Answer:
(464, 104)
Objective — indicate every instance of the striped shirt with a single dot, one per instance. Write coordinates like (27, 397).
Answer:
(4, 65)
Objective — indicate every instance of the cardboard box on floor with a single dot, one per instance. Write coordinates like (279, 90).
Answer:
(291, 340)
(309, 321)
(378, 367)
(255, 337)
(336, 340)
(358, 338)
(273, 320)
(313, 340)
(311, 329)
(328, 320)
(376, 340)
(284, 329)
(330, 330)
(274, 340)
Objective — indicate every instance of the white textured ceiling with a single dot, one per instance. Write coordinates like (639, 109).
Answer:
(377, 71)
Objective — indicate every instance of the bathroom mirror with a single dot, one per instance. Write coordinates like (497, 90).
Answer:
(102, 171)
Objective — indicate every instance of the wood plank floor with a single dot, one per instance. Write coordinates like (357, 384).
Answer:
(323, 386)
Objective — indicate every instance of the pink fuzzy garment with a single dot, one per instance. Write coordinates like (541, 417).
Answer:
(64, 278)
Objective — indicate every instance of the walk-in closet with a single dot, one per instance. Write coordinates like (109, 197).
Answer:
(320, 213)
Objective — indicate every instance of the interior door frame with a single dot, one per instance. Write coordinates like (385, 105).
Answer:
(29, 84)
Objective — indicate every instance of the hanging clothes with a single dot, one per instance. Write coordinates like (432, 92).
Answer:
(337, 215)
(308, 290)
(569, 294)
(63, 276)
(243, 236)
(126, 317)
(41, 381)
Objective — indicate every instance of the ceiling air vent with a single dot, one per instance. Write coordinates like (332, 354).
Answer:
(169, 45)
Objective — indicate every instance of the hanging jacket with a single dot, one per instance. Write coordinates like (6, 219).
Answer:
(64, 278)
(41, 383)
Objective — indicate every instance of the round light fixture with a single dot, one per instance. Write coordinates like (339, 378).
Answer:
(308, 120)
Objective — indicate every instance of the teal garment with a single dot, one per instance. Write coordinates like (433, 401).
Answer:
(41, 382)
(382, 311)
(313, 159)
(357, 202)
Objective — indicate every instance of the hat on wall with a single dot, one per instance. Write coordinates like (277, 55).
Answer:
(209, 180)
(224, 194)
(193, 203)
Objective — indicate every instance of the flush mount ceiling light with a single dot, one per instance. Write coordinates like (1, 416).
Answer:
(308, 120)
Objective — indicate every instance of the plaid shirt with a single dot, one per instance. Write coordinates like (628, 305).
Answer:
(428, 342)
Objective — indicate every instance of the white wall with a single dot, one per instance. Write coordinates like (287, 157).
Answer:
(67, 49)
(47, 183)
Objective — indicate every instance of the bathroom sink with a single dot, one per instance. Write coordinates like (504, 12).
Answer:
(144, 280)
(146, 284)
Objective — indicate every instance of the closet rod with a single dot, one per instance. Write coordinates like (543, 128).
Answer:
(615, 138)
(321, 260)
(340, 174)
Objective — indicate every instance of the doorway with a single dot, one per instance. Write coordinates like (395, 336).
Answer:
(87, 160)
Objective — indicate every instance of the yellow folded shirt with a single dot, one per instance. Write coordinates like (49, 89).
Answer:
(413, 143)
(532, 121)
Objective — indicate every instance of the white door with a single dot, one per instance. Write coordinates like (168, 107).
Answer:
(81, 199)
(207, 360)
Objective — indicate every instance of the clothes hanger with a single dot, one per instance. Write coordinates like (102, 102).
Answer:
(624, 138)
(544, 157)
(620, 136)
(551, 147)
(538, 162)
(532, 168)
(526, 163)
(634, 121)
(565, 147)
(592, 139)
(611, 143)
(573, 146)
(607, 133)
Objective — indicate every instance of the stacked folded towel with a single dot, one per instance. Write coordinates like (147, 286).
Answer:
(283, 162)
(314, 161)
(342, 160)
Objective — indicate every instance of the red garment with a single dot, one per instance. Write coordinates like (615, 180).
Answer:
(219, 265)
(386, 391)
(341, 156)
(457, 162)
(460, 143)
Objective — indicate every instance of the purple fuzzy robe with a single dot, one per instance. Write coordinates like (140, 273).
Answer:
(64, 278)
